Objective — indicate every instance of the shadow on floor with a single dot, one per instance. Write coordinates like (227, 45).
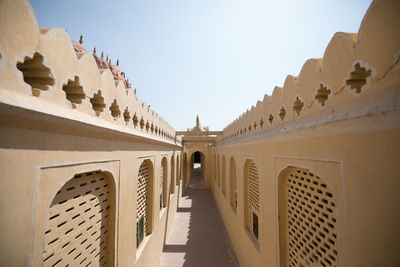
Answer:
(198, 237)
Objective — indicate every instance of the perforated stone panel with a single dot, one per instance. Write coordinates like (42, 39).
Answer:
(79, 224)
(233, 186)
(253, 194)
(163, 181)
(144, 197)
(161, 177)
(310, 220)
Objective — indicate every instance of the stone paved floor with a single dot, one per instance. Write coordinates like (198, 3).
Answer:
(198, 237)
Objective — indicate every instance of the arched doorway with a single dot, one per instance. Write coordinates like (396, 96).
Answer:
(197, 163)
(197, 157)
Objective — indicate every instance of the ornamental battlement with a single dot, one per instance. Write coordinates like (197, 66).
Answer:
(356, 70)
(43, 70)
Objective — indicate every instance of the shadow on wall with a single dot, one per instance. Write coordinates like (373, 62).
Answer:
(61, 136)
(204, 242)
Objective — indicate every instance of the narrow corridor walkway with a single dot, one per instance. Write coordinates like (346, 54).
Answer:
(198, 237)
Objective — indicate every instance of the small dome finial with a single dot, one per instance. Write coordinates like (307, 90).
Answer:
(94, 50)
(117, 62)
(102, 54)
(81, 39)
(197, 121)
(107, 58)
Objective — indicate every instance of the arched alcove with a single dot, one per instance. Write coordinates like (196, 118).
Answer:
(144, 202)
(251, 198)
(79, 229)
(307, 219)
(163, 183)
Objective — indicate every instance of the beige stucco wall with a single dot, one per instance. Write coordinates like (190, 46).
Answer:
(36, 164)
(352, 142)
(46, 140)
(363, 173)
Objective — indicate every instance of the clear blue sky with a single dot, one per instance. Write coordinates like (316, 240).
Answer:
(214, 58)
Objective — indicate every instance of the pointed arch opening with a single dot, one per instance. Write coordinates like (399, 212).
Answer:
(163, 182)
(144, 202)
(251, 198)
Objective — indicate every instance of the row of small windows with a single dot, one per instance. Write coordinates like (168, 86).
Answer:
(307, 212)
(218, 172)
(80, 225)
(251, 193)
(144, 205)
(80, 231)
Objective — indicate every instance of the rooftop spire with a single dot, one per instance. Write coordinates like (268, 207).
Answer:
(81, 39)
(94, 50)
(197, 121)
(102, 54)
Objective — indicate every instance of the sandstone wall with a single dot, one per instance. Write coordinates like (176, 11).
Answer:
(63, 121)
(339, 120)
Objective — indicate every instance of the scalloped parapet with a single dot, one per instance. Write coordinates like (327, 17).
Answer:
(40, 69)
(353, 66)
